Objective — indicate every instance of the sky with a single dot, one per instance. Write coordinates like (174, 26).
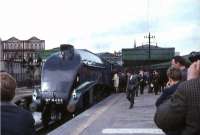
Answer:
(103, 25)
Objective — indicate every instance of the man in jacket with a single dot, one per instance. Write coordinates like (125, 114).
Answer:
(132, 85)
(182, 111)
(174, 76)
(14, 120)
(155, 82)
(180, 63)
(141, 82)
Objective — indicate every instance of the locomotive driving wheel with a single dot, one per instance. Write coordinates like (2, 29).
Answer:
(46, 115)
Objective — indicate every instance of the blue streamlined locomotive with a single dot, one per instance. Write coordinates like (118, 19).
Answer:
(71, 80)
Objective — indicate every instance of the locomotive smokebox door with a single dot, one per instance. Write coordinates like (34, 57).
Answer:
(67, 51)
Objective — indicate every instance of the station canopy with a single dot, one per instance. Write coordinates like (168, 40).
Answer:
(139, 56)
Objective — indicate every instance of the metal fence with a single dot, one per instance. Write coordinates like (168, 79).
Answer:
(24, 75)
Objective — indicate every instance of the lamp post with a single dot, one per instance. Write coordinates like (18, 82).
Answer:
(149, 37)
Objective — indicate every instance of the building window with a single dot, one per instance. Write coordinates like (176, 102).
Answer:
(26, 46)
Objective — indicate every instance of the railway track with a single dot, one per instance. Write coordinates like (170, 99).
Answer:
(41, 130)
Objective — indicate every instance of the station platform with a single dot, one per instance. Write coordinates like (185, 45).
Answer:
(113, 116)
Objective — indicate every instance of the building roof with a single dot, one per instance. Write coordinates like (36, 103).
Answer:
(147, 46)
(33, 38)
(13, 39)
(143, 47)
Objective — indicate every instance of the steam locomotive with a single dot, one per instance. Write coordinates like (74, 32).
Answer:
(71, 79)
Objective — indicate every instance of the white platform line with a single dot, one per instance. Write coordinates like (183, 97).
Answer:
(132, 131)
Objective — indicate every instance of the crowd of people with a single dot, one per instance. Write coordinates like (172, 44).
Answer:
(178, 108)
(133, 83)
(152, 79)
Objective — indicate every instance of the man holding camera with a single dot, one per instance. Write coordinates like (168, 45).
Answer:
(182, 111)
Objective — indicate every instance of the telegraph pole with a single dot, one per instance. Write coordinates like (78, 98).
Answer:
(149, 37)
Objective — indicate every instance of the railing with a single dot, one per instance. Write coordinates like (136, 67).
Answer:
(22, 74)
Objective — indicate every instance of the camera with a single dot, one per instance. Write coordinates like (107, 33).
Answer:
(194, 56)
